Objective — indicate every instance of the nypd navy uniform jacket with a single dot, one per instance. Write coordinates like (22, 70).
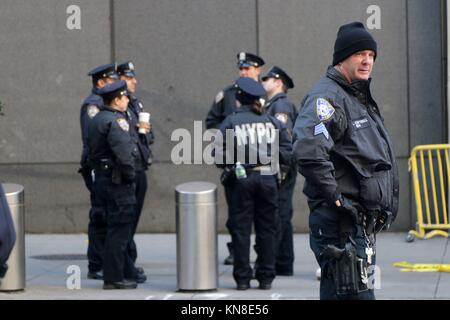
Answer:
(224, 104)
(343, 147)
(142, 141)
(251, 130)
(281, 108)
(109, 139)
(89, 109)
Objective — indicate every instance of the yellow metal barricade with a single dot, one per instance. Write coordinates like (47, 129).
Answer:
(430, 169)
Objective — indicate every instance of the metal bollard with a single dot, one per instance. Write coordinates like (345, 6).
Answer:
(196, 225)
(15, 277)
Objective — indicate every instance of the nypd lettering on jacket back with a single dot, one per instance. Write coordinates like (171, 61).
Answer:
(255, 133)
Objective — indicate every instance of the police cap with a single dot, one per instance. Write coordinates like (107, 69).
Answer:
(246, 60)
(126, 69)
(111, 91)
(278, 73)
(249, 88)
(104, 71)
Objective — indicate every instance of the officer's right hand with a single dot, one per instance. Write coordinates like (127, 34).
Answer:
(345, 206)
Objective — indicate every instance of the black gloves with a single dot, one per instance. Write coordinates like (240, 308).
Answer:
(347, 207)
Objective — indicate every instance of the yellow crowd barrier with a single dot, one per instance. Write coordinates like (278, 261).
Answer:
(430, 169)
(422, 267)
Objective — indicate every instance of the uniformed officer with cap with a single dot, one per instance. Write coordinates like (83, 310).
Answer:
(225, 103)
(112, 153)
(257, 137)
(345, 153)
(126, 72)
(277, 83)
(101, 76)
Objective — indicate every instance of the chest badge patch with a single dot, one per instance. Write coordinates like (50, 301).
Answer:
(324, 109)
(123, 124)
(92, 111)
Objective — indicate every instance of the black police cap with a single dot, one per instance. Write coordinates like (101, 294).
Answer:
(104, 71)
(278, 73)
(250, 87)
(246, 60)
(126, 69)
(111, 91)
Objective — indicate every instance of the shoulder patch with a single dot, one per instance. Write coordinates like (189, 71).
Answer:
(324, 109)
(92, 111)
(283, 117)
(123, 124)
(219, 97)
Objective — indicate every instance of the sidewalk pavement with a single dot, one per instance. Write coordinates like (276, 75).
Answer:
(46, 279)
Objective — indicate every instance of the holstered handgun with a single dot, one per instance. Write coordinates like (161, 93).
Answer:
(349, 271)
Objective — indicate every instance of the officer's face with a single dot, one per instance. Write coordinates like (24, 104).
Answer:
(122, 103)
(105, 81)
(358, 66)
(131, 83)
(250, 72)
(270, 85)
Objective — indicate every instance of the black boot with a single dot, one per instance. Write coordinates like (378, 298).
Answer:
(230, 259)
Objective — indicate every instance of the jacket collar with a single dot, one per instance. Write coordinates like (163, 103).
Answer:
(359, 86)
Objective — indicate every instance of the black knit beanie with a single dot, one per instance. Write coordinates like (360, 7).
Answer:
(351, 38)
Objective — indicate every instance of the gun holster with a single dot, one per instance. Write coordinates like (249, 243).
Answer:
(349, 271)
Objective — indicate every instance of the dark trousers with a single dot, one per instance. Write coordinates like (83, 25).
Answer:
(229, 200)
(324, 225)
(256, 201)
(284, 252)
(119, 202)
(96, 228)
(141, 189)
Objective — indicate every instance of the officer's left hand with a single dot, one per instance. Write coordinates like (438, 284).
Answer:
(146, 126)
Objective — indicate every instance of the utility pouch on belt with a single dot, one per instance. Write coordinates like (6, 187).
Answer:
(116, 176)
(227, 176)
(349, 271)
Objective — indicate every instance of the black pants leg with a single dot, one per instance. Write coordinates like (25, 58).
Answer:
(240, 226)
(141, 189)
(265, 218)
(324, 229)
(120, 213)
(229, 200)
(96, 229)
(284, 262)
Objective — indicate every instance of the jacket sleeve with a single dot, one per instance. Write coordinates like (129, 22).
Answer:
(215, 115)
(320, 123)
(220, 143)
(121, 145)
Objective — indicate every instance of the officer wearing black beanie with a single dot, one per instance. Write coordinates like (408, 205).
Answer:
(344, 151)
(351, 38)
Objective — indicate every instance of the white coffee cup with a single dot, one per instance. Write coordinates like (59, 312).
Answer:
(145, 118)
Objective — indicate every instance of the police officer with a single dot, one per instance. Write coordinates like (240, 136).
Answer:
(225, 103)
(126, 72)
(253, 142)
(277, 83)
(112, 153)
(345, 153)
(101, 76)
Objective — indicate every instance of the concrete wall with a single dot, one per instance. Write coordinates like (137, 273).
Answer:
(185, 51)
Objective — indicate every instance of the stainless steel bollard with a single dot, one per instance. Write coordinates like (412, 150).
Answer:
(196, 225)
(15, 277)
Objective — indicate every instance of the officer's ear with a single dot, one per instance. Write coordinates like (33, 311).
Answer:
(101, 83)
